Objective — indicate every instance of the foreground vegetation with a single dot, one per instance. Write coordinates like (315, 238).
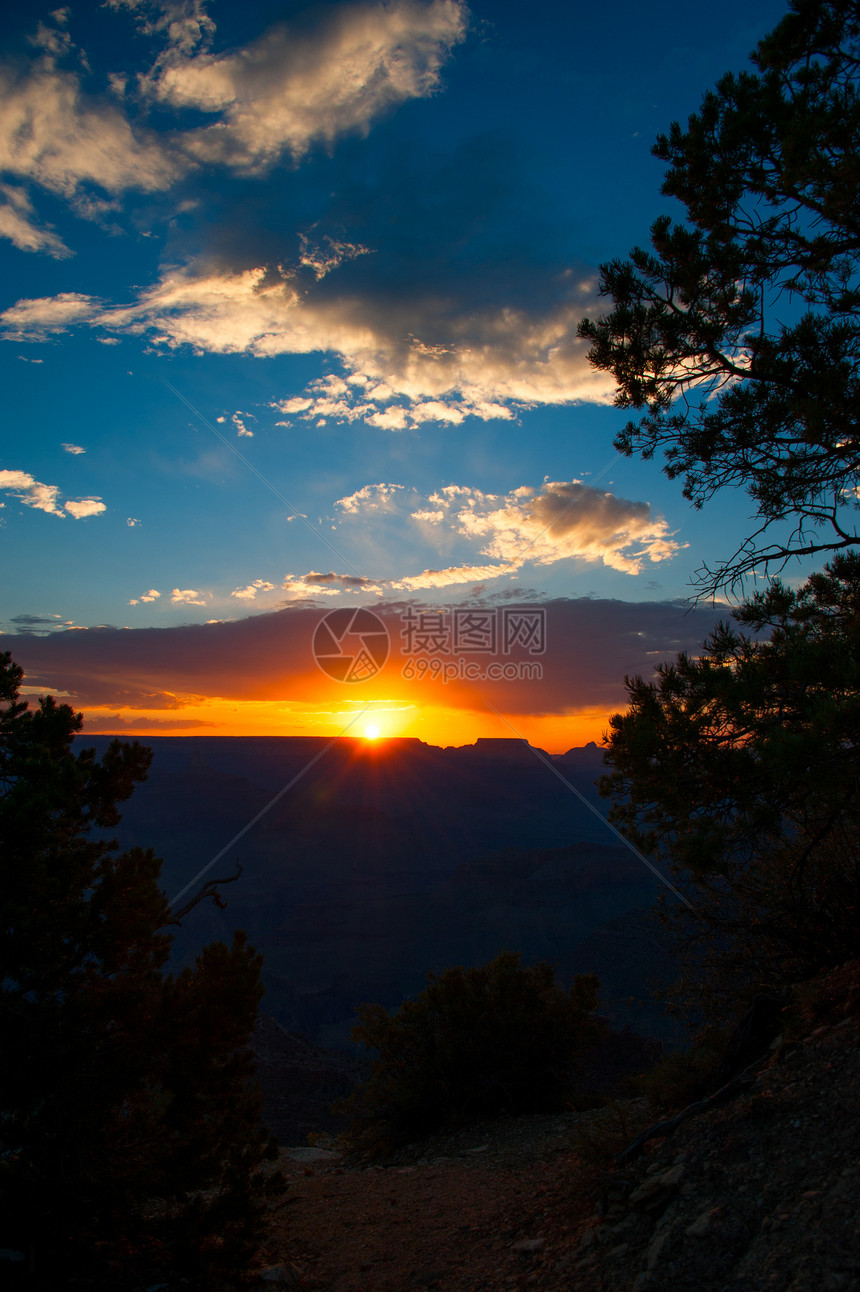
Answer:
(476, 1043)
(130, 1143)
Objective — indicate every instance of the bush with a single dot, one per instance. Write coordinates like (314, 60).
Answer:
(475, 1043)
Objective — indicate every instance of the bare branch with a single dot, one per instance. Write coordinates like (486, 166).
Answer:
(207, 890)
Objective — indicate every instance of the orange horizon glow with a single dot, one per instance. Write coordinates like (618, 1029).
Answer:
(433, 724)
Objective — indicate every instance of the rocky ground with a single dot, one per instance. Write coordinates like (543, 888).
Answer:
(760, 1192)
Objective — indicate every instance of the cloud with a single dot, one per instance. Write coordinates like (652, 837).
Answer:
(52, 39)
(239, 422)
(183, 24)
(565, 519)
(152, 595)
(17, 225)
(44, 497)
(33, 319)
(397, 373)
(289, 89)
(330, 584)
(560, 521)
(249, 593)
(85, 507)
(590, 645)
(40, 624)
(431, 349)
(52, 135)
(114, 723)
(350, 582)
(321, 260)
(72, 448)
(370, 498)
(448, 578)
(292, 88)
(188, 597)
(31, 492)
(132, 521)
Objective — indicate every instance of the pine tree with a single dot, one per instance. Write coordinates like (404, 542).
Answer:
(130, 1142)
(738, 334)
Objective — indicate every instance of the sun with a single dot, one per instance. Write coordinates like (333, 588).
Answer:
(371, 732)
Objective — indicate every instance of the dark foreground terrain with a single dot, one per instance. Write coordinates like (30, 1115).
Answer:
(758, 1193)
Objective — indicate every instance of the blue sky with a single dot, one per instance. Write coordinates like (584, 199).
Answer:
(289, 304)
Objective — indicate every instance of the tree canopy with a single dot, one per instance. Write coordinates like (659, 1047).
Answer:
(131, 1150)
(739, 769)
(738, 334)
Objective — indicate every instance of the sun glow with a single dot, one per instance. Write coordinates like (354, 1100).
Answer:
(371, 732)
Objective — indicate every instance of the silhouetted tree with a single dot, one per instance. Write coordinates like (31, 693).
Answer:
(474, 1043)
(739, 333)
(740, 770)
(130, 1143)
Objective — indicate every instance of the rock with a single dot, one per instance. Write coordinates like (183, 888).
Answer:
(285, 1275)
(654, 1188)
(528, 1246)
(654, 1250)
(702, 1223)
(304, 1154)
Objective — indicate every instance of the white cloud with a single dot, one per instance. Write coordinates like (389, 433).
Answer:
(371, 498)
(73, 448)
(152, 595)
(17, 225)
(83, 507)
(290, 89)
(249, 593)
(562, 520)
(279, 95)
(565, 519)
(53, 136)
(44, 497)
(238, 420)
(495, 359)
(33, 319)
(132, 521)
(188, 597)
(447, 578)
(31, 492)
(322, 261)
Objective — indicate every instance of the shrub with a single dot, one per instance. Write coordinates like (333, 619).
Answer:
(474, 1043)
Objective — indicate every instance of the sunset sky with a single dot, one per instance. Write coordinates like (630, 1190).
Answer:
(288, 306)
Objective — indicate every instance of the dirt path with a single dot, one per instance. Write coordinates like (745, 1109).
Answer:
(493, 1208)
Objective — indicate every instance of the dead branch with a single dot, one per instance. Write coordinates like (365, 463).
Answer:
(209, 889)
